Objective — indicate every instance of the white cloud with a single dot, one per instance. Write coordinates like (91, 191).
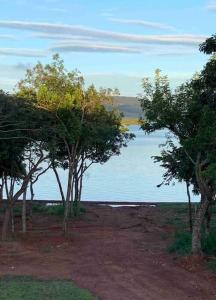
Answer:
(212, 7)
(57, 36)
(22, 52)
(75, 30)
(92, 47)
(142, 23)
(7, 37)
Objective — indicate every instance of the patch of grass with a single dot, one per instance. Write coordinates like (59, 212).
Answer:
(176, 222)
(27, 288)
(179, 208)
(209, 243)
(181, 244)
(56, 210)
(211, 264)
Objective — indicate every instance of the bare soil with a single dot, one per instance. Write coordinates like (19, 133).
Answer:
(116, 253)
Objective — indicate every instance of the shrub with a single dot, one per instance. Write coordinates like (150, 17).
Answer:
(181, 244)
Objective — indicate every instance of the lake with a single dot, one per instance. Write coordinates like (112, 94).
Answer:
(131, 176)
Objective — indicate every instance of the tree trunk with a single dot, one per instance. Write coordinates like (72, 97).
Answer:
(68, 196)
(24, 212)
(76, 197)
(208, 216)
(6, 221)
(189, 207)
(2, 190)
(31, 201)
(59, 184)
(197, 226)
(72, 198)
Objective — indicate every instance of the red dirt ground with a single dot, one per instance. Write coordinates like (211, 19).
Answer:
(116, 253)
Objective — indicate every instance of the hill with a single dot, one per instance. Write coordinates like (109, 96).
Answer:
(129, 106)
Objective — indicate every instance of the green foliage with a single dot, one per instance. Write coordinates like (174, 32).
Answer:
(27, 288)
(209, 46)
(209, 243)
(181, 244)
(211, 264)
(55, 210)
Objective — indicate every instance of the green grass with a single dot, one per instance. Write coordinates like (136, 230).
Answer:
(211, 265)
(181, 244)
(56, 210)
(27, 288)
(179, 208)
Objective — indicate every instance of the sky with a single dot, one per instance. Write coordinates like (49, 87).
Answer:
(112, 43)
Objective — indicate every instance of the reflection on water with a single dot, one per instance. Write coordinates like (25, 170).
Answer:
(132, 176)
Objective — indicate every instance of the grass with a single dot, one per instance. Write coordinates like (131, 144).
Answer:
(181, 244)
(211, 265)
(27, 288)
(55, 210)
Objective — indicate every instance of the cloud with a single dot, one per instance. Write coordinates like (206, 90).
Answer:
(211, 7)
(90, 47)
(22, 52)
(142, 23)
(21, 66)
(7, 37)
(76, 30)
(56, 36)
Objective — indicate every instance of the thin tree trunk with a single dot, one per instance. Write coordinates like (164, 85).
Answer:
(2, 190)
(72, 198)
(7, 214)
(24, 227)
(6, 221)
(12, 220)
(59, 184)
(31, 200)
(197, 226)
(208, 216)
(189, 207)
(76, 197)
(68, 196)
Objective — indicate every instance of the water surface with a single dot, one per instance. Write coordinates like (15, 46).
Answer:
(132, 176)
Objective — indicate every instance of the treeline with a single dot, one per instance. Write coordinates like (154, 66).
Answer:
(189, 115)
(52, 122)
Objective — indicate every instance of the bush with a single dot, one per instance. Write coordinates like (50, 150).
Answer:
(56, 210)
(209, 243)
(181, 244)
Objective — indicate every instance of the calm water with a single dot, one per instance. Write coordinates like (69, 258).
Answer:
(132, 176)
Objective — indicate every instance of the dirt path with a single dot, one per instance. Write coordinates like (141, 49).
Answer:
(116, 253)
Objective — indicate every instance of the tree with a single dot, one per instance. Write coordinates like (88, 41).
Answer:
(20, 130)
(189, 113)
(83, 128)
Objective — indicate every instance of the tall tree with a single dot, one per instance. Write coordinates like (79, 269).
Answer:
(189, 113)
(81, 123)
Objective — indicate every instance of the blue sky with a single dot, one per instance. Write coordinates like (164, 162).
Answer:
(113, 43)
